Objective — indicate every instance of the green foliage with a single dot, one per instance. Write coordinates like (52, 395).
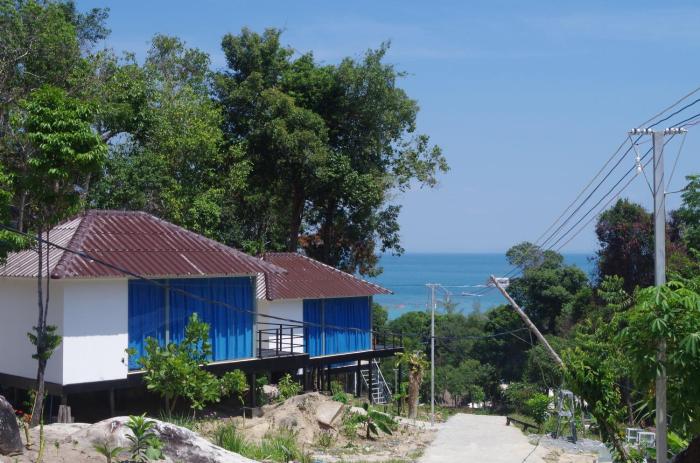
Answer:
(62, 151)
(338, 392)
(537, 407)
(516, 396)
(288, 387)
(465, 382)
(626, 244)
(375, 421)
(235, 383)
(111, 453)
(176, 371)
(689, 213)
(327, 144)
(380, 317)
(670, 313)
(545, 290)
(145, 445)
(325, 439)
(277, 445)
(416, 364)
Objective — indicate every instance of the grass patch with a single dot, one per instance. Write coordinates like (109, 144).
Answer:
(180, 419)
(278, 446)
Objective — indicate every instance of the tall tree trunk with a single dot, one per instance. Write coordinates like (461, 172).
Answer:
(414, 380)
(297, 212)
(327, 232)
(38, 407)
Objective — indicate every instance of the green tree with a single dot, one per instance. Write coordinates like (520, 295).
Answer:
(689, 213)
(327, 144)
(173, 163)
(176, 371)
(545, 290)
(626, 244)
(380, 318)
(61, 149)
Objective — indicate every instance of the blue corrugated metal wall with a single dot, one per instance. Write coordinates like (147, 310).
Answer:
(345, 312)
(231, 331)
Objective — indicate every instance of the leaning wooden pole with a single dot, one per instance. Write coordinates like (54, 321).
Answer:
(528, 322)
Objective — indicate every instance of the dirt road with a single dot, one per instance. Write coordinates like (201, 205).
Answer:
(479, 439)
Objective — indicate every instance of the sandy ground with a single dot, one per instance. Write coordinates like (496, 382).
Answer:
(487, 439)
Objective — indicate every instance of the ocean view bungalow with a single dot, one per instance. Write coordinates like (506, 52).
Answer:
(283, 312)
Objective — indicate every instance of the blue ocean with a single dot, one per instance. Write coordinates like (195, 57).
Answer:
(463, 276)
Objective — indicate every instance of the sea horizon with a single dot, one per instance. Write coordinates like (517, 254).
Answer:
(464, 276)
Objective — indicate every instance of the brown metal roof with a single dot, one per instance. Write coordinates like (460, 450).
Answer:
(137, 242)
(307, 278)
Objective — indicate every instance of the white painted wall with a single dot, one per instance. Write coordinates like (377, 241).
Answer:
(18, 314)
(95, 333)
(292, 309)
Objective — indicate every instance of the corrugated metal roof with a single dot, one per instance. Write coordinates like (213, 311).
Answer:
(24, 264)
(139, 243)
(307, 278)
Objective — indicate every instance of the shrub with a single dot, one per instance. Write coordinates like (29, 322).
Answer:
(537, 407)
(175, 371)
(517, 394)
(288, 387)
(338, 392)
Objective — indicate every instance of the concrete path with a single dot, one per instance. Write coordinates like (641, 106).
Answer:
(479, 439)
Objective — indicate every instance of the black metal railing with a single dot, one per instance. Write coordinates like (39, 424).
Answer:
(280, 340)
(382, 340)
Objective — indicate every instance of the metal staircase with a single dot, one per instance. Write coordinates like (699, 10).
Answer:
(381, 394)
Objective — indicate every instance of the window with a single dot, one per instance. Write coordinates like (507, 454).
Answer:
(163, 313)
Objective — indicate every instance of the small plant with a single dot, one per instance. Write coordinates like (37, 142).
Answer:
(42, 442)
(325, 439)
(57, 446)
(106, 450)
(349, 425)
(339, 394)
(145, 444)
(375, 421)
(288, 387)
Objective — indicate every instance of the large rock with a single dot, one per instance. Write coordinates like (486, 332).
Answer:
(327, 412)
(10, 440)
(180, 444)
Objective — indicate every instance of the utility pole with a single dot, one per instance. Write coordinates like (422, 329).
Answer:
(528, 322)
(432, 287)
(659, 193)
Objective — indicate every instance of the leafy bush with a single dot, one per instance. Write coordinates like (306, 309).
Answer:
(145, 445)
(288, 387)
(235, 383)
(517, 394)
(175, 371)
(536, 408)
(375, 421)
(338, 392)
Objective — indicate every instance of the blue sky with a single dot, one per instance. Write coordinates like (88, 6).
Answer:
(527, 99)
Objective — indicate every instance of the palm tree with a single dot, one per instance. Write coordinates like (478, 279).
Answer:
(416, 364)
